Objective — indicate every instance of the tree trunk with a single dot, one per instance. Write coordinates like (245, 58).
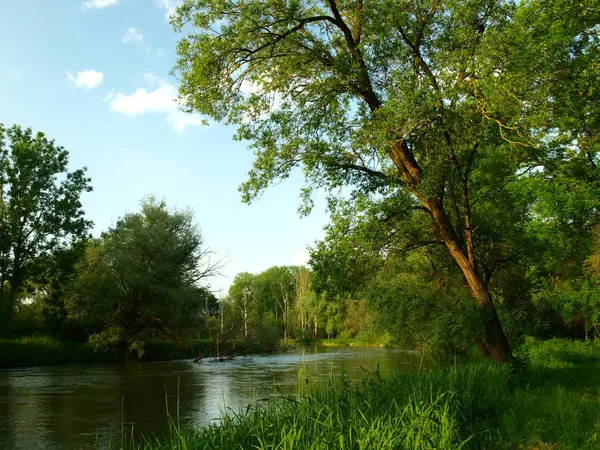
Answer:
(285, 316)
(222, 312)
(245, 316)
(495, 344)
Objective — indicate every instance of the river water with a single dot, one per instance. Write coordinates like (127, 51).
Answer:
(84, 406)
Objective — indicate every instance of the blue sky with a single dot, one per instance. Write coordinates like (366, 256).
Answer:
(93, 75)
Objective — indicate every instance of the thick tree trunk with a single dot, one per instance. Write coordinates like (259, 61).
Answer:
(495, 344)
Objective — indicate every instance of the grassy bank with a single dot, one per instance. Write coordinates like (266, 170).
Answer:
(45, 351)
(339, 342)
(549, 400)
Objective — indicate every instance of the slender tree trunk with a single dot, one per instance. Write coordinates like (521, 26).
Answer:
(245, 313)
(495, 342)
(285, 316)
(222, 313)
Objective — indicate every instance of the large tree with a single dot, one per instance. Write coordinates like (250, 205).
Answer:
(40, 208)
(430, 108)
(142, 278)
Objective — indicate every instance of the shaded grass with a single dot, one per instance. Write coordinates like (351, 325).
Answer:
(46, 351)
(547, 403)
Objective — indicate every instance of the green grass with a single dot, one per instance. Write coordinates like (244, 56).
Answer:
(45, 351)
(339, 342)
(550, 402)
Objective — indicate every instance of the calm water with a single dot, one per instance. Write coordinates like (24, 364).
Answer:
(75, 406)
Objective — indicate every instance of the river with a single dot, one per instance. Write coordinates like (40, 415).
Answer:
(84, 406)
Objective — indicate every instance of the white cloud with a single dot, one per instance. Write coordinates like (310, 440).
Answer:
(160, 100)
(87, 79)
(14, 74)
(134, 36)
(169, 5)
(301, 258)
(179, 120)
(99, 3)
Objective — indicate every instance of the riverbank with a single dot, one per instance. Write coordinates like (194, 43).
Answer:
(338, 342)
(46, 351)
(548, 399)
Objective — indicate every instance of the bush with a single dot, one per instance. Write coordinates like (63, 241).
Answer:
(556, 353)
(287, 344)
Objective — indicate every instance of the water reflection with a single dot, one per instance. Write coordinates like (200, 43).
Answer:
(85, 406)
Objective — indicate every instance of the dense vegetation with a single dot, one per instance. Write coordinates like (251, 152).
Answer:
(465, 131)
(457, 142)
(458, 145)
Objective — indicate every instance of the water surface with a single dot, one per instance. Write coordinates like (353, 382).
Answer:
(84, 406)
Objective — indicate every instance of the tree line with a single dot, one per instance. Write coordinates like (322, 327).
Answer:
(142, 279)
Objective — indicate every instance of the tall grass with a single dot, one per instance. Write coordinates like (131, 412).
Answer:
(541, 405)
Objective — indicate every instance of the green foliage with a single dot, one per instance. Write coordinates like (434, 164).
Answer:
(428, 123)
(40, 209)
(556, 353)
(267, 333)
(287, 344)
(415, 314)
(139, 279)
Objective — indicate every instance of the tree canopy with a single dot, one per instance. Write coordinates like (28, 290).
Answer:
(142, 278)
(422, 115)
(40, 209)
